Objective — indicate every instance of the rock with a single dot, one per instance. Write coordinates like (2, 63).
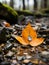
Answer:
(29, 63)
(35, 61)
(44, 36)
(47, 41)
(9, 54)
(8, 46)
(5, 24)
(45, 54)
(26, 61)
(2, 45)
(20, 57)
(5, 63)
(15, 33)
(3, 34)
(11, 40)
(8, 14)
(16, 45)
(14, 57)
(14, 49)
(1, 57)
(44, 43)
(28, 56)
(14, 62)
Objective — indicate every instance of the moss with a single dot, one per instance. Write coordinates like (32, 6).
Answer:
(42, 13)
(10, 9)
(25, 12)
(45, 11)
(38, 14)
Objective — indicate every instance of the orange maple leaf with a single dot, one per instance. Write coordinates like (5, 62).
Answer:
(29, 37)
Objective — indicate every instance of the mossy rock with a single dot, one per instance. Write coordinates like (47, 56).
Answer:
(41, 13)
(45, 12)
(7, 13)
(25, 13)
(38, 14)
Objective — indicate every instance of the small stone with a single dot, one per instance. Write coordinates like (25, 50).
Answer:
(14, 49)
(45, 47)
(44, 36)
(5, 63)
(16, 45)
(25, 53)
(28, 56)
(29, 63)
(9, 54)
(15, 33)
(14, 30)
(42, 62)
(14, 57)
(47, 41)
(2, 45)
(1, 58)
(45, 53)
(8, 46)
(26, 61)
(11, 39)
(14, 61)
(20, 57)
(35, 61)
(44, 42)
(44, 59)
(32, 49)
(3, 34)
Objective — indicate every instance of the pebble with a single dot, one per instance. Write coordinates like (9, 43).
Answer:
(26, 61)
(15, 33)
(16, 45)
(45, 53)
(8, 46)
(14, 49)
(14, 61)
(30, 63)
(28, 56)
(35, 61)
(5, 63)
(44, 36)
(9, 54)
(1, 58)
(11, 40)
(3, 34)
(20, 57)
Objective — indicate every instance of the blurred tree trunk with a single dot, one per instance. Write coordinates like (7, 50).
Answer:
(35, 4)
(28, 4)
(23, 4)
(4, 1)
(45, 3)
(12, 3)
